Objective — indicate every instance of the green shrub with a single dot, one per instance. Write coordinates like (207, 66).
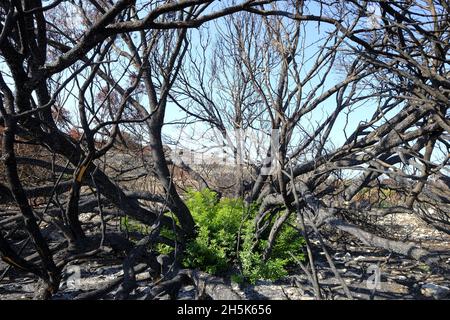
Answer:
(215, 246)
(218, 225)
(287, 242)
(254, 268)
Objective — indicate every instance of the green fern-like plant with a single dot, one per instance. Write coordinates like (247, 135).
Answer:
(214, 249)
(218, 223)
(287, 249)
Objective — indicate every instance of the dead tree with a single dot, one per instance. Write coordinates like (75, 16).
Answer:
(40, 60)
(80, 81)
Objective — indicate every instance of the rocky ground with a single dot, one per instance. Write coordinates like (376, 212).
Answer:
(359, 266)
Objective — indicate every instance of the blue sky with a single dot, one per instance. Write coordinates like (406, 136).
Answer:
(312, 35)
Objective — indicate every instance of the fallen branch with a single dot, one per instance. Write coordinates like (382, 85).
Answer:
(212, 286)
